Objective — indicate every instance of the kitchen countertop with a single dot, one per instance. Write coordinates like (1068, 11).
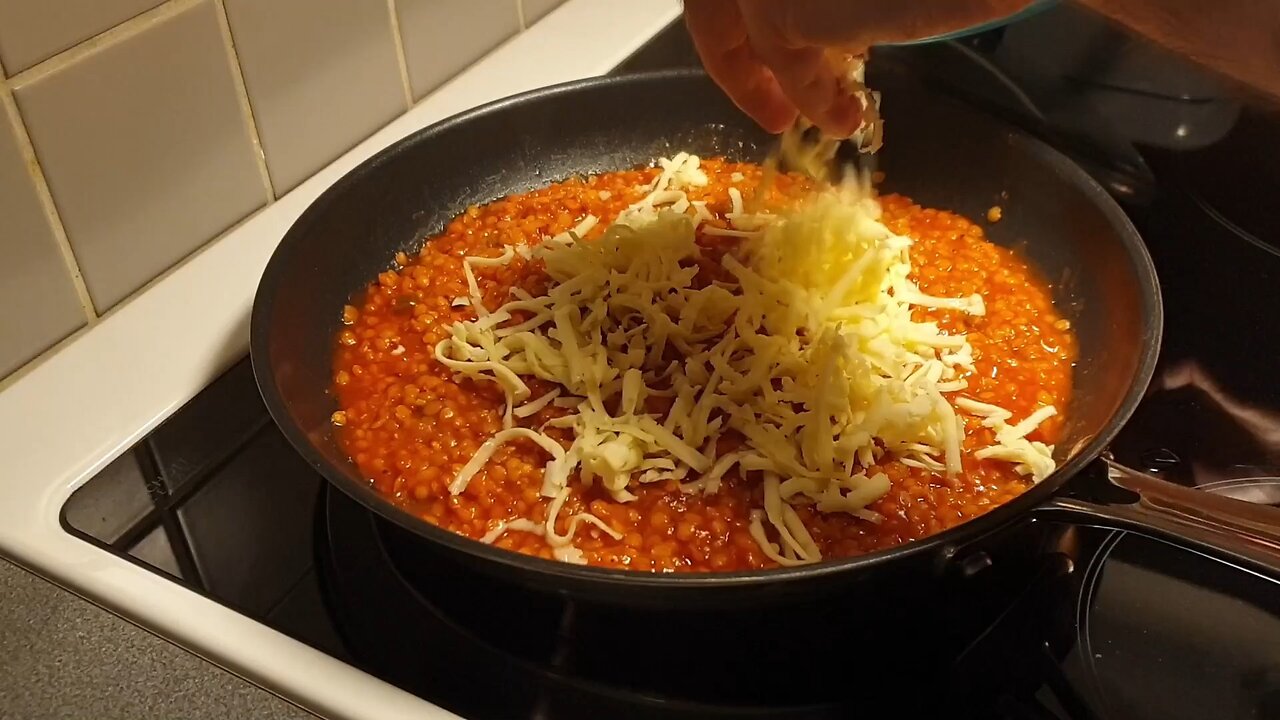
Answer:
(64, 657)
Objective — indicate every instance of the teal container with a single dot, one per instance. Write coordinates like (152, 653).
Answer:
(1034, 8)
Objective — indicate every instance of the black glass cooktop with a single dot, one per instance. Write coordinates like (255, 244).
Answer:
(1094, 624)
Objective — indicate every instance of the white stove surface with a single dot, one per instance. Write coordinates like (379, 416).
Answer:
(80, 408)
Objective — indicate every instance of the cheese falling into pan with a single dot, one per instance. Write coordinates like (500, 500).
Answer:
(802, 149)
(809, 356)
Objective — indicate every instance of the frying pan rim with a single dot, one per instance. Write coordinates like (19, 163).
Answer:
(947, 542)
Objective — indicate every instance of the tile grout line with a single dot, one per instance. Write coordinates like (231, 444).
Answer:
(195, 254)
(398, 40)
(53, 349)
(242, 93)
(520, 15)
(35, 173)
(104, 39)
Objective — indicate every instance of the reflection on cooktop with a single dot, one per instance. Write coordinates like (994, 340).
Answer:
(1245, 205)
(1213, 409)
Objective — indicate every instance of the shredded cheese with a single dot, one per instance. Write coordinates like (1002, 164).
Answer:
(809, 355)
(534, 406)
(803, 149)
(1029, 457)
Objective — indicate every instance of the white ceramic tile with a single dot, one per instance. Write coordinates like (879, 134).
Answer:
(535, 9)
(38, 301)
(146, 150)
(441, 37)
(32, 30)
(322, 75)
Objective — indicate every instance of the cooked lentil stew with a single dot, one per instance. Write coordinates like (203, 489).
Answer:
(410, 424)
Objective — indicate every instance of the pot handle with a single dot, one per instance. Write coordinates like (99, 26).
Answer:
(1239, 532)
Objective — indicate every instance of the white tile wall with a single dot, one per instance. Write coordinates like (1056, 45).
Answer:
(132, 132)
(32, 30)
(321, 74)
(441, 37)
(38, 300)
(146, 148)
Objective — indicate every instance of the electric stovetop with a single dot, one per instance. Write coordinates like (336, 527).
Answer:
(1095, 624)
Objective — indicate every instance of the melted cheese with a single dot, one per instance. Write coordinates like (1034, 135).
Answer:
(809, 354)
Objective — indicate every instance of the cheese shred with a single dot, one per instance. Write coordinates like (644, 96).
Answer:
(809, 355)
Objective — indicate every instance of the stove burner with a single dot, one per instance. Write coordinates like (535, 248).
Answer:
(512, 655)
(445, 632)
(1154, 617)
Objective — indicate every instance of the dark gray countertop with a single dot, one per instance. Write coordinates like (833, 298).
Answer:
(64, 657)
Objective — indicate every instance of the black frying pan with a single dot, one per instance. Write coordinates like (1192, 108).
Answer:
(937, 151)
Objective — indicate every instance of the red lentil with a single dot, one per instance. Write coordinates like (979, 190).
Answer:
(409, 425)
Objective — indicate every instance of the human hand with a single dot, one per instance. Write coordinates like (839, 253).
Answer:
(769, 56)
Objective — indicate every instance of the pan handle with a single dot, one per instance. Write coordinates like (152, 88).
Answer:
(1239, 532)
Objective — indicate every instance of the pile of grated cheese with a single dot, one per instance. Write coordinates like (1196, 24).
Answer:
(808, 356)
